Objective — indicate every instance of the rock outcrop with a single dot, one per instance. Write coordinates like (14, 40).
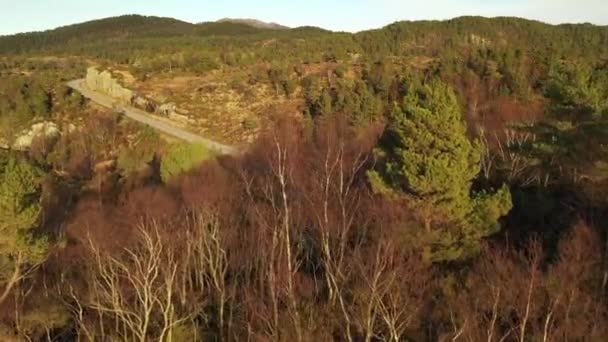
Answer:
(105, 83)
(167, 109)
(48, 130)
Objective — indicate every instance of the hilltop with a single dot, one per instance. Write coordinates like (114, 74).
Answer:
(122, 28)
(137, 32)
(254, 23)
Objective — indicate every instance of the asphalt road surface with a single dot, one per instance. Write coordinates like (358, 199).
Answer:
(147, 119)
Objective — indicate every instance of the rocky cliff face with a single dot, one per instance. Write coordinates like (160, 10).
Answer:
(103, 82)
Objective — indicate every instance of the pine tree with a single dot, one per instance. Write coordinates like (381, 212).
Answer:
(426, 159)
(19, 211)
(578, 92)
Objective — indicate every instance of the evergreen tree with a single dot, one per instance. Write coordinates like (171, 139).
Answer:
(19, 211)
(578, 91)
(426, 158)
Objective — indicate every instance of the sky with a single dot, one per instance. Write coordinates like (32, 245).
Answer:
(339, 15)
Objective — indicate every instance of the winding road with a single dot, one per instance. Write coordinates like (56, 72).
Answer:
(147, 119)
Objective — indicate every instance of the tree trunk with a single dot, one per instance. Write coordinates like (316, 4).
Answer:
(427, 225)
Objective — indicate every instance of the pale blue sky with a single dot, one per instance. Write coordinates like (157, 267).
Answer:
(346, 15)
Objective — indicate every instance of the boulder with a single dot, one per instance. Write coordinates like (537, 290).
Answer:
(46, 129)
(167, 109)
(144, 104)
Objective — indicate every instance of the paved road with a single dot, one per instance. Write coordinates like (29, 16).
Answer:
(146, 118)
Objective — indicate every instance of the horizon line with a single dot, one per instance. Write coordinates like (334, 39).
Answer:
(295, 27)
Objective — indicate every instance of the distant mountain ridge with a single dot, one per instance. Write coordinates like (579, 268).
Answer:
(254, 23)
(122, 27)
(125, 34)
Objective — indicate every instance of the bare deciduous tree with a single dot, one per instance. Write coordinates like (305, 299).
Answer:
(147, 291)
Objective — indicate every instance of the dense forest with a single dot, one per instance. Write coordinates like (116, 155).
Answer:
(442, 181)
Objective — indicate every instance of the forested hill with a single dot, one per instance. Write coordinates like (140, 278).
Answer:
(501, 32)
(117, 28)
(434, 37)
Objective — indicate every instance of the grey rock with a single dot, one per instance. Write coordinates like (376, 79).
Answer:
(46, 129)
(167, 109)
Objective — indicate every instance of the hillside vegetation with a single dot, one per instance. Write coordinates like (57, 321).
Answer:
(426, 181)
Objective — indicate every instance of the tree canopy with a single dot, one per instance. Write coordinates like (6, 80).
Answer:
(426, 158)
(182, 157)
(19, 213)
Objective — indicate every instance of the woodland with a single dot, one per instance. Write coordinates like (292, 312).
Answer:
(442, 181)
